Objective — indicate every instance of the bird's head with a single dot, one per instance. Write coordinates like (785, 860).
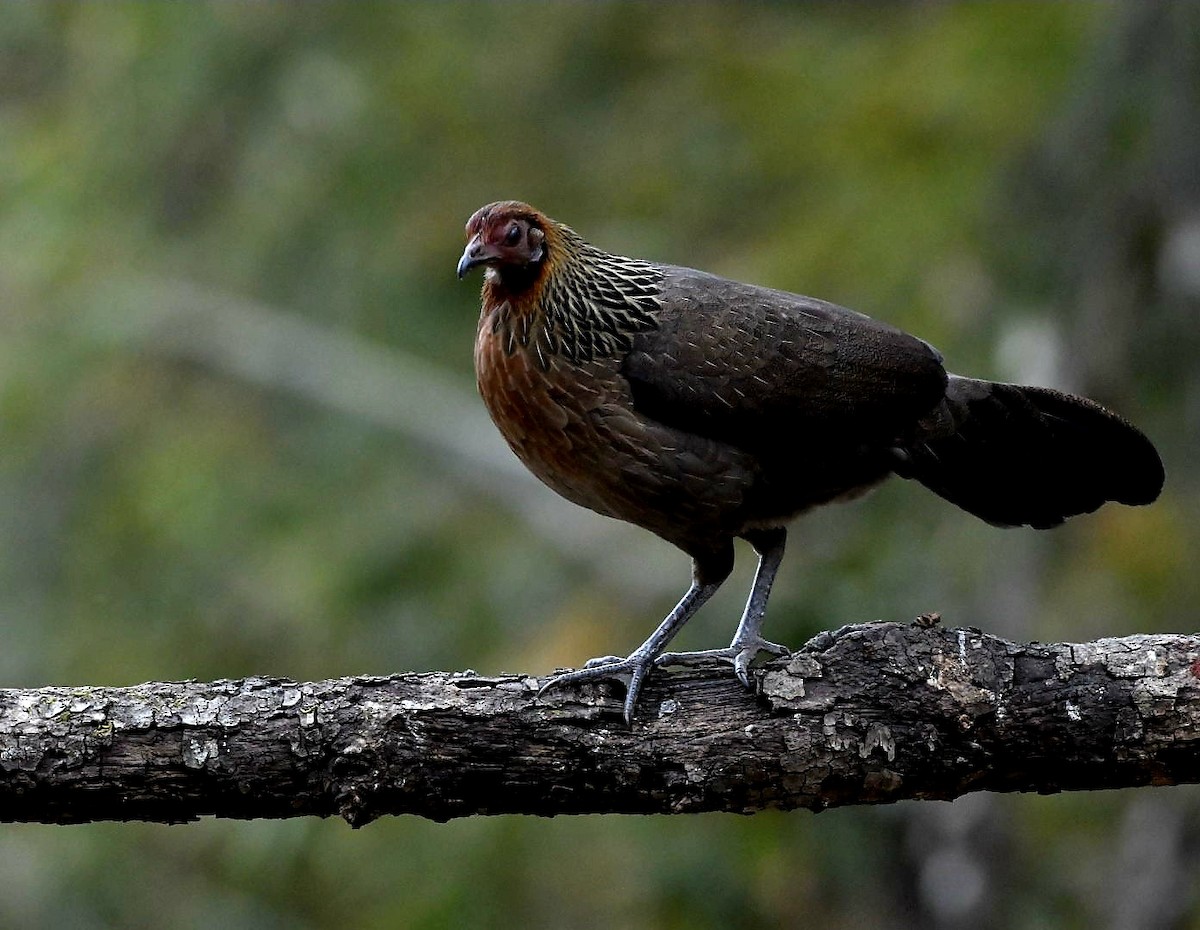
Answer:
(509, 236)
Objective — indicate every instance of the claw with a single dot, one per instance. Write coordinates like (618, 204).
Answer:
(635, 666)
(741, 666)
(635, 688)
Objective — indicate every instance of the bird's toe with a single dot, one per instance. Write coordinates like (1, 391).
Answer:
(776, 649)
(589, 672)
(603, 661)
(631, 669)
(701, 657)
(741, 666)
(738, 654)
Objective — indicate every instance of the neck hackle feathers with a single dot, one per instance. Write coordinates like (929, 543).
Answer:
(577, 301)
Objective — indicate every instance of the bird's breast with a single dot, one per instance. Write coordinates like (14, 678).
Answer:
(574, 425)
(553, 413)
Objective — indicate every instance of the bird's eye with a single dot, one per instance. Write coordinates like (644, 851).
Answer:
(513, 236)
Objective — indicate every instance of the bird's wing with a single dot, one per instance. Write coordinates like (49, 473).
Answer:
(761, 369)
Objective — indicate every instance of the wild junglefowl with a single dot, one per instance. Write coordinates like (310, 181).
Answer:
(705, 410)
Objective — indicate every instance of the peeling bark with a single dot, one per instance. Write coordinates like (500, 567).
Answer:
(866, 714)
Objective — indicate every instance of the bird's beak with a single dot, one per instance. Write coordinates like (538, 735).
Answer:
(476, 253)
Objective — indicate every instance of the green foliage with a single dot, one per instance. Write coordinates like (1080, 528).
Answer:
(181, 503)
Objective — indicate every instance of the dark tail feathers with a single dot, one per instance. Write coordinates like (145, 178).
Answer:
(1017, 456)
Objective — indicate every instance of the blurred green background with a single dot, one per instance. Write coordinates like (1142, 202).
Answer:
(238, 429)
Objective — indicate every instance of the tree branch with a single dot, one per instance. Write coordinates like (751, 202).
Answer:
(866, 714)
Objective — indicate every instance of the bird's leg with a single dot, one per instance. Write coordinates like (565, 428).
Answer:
(707, 576)
(747, 640)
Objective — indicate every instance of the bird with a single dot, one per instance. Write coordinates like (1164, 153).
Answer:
(706, 410)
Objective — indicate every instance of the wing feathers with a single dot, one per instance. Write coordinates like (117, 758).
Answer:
(761, 368)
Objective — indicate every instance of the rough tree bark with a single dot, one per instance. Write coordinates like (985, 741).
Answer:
(867, 714)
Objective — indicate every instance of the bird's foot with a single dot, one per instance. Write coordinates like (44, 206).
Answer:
(739, 654)
(631, 669)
